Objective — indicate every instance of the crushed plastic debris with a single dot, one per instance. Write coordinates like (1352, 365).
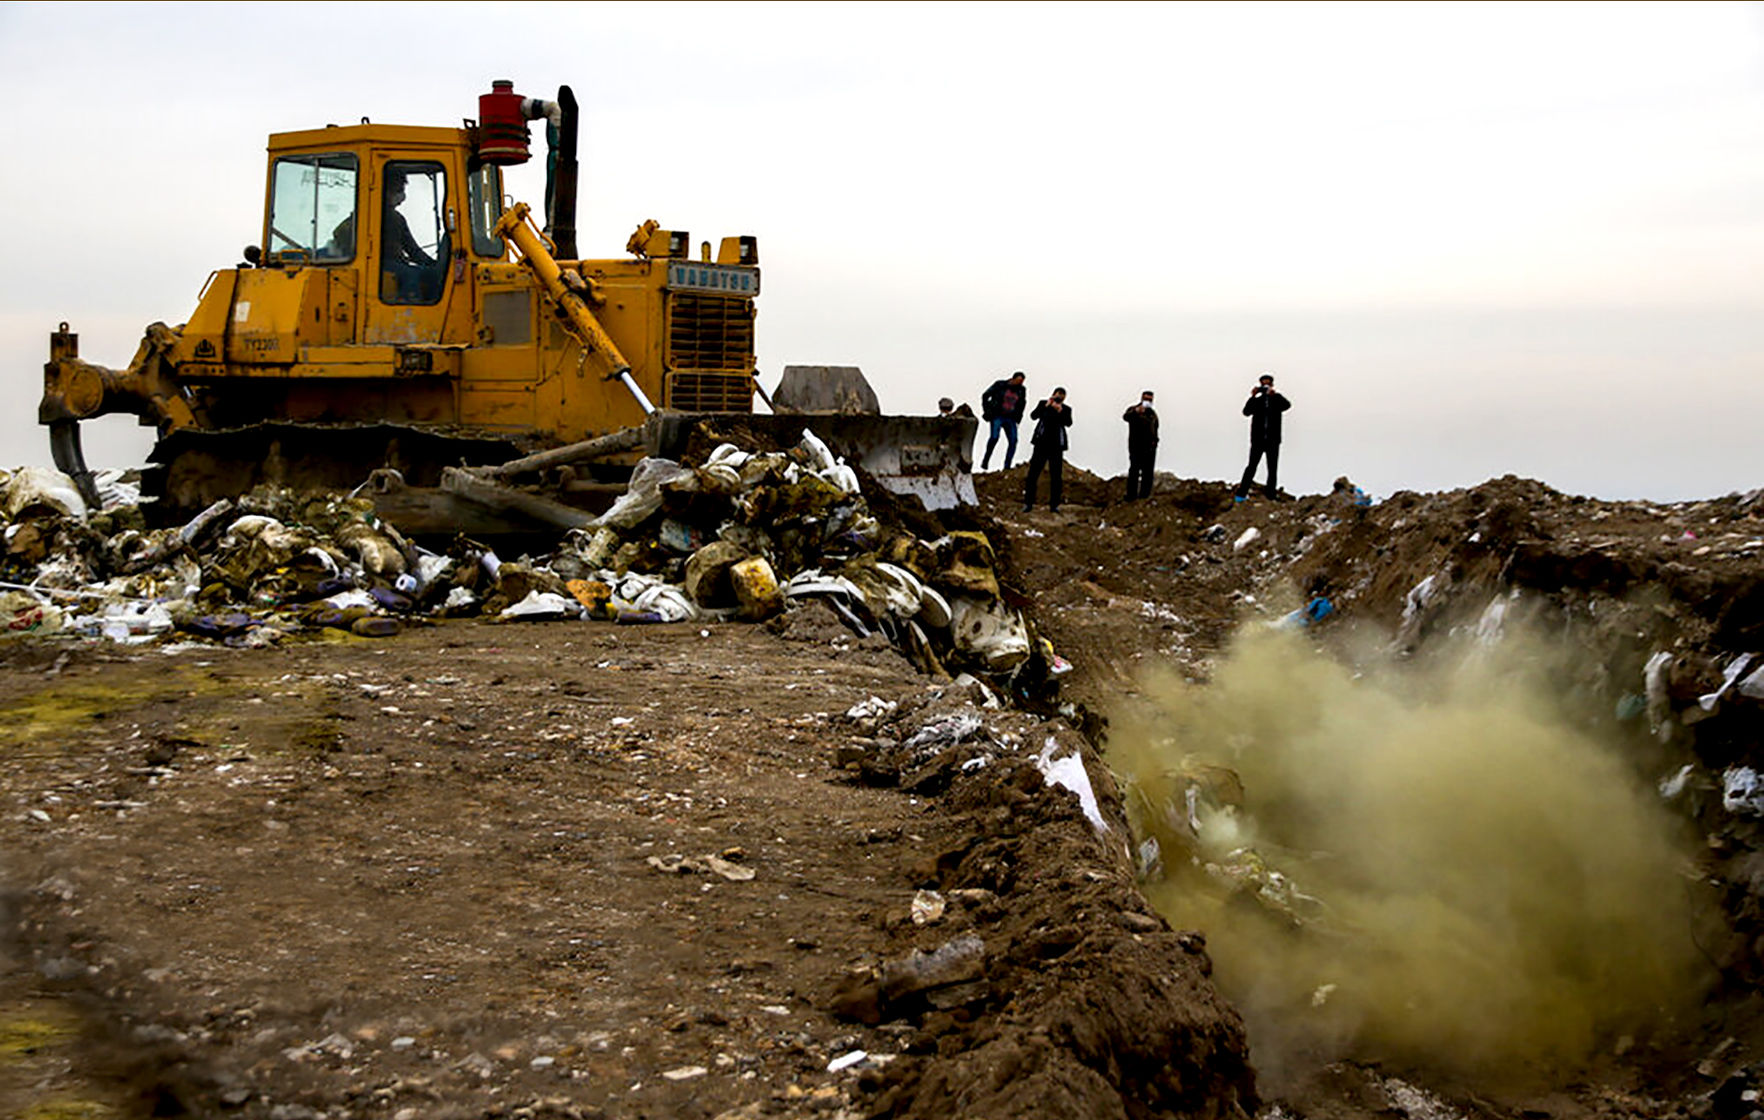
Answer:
(701, 865)
(1673, 784)
(1752, 687)
(1708, 701)
(946, 731)
(541, 606)
(1067, 772)
(847, 1060)
(1311, 613)
(33, 490)
(1742, 791)
(927, 907)
(871, 708)
(749, 535)
(1419, 596)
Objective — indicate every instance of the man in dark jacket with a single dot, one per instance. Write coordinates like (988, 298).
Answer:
(1002, 406)
(1263, 408)
(1142, 446)
(1047, 448)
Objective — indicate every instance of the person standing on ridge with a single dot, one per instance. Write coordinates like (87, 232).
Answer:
(1142, 446)
(1047, 447)
(1263, 408)
(1002, 406)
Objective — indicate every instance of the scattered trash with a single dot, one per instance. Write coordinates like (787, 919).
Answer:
(1249, 536)
(701, 865)
(1708, 701)
(1068, 772)
(847, 1060)
(37, 489)
(1753, 686)
(541, 606)
(990, 631)
(946, 731)
(928, 907)
(1419, 596)
(750, 535)
(1654, 687)
(870, 709)
(1742, 791)
(1673, 785)
(1312, 612)
(1344, 490)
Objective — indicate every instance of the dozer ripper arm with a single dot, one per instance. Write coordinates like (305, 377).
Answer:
(75, 390)
(516, 228)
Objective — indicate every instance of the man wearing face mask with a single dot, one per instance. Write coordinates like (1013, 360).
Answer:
(1142, 446)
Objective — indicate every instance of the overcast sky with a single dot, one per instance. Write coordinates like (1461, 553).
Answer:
(1470, 240)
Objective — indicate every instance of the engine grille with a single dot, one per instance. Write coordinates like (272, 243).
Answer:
(696, 390)
(709, 332)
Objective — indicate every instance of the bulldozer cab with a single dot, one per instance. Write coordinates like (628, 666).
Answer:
(393, 215)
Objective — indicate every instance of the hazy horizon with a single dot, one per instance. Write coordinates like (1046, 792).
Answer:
(1470, 240)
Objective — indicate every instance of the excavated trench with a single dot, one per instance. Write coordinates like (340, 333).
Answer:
(1480, 836)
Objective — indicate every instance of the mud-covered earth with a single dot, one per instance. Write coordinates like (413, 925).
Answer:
(581, 869)
(591, 870)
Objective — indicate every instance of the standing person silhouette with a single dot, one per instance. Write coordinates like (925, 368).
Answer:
(1002, 406)
(1263, 408)
(1047, 448)
(1142, 446)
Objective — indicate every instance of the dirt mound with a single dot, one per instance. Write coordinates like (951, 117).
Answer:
(1088, 1004)
(1651, 608)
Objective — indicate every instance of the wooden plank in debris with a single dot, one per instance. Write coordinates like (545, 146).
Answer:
(424, 511)
(626, 439)
(458, 480)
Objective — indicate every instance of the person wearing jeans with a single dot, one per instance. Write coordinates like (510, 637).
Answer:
(1002, 406)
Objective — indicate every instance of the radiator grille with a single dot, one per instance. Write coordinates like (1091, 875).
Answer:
(707, 332)
(696, 390)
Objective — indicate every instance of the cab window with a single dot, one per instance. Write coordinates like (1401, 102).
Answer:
(414, 244)
(484, 186)
(312, 209)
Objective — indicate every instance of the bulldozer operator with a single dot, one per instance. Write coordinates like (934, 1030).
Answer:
(414, 272)
(408, 275)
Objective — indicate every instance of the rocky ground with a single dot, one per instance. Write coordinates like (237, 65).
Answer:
(732, 870)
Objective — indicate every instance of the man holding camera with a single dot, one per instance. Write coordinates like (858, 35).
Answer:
(1263, 408)
(1047, 448)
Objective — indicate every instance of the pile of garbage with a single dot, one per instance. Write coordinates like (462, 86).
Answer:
(745, 537)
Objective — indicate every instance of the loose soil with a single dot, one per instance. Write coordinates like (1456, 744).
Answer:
(579, 869)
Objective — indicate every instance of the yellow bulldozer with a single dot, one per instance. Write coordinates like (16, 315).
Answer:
(400, 316)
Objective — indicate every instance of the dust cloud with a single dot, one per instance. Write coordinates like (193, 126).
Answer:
(1432, 865)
